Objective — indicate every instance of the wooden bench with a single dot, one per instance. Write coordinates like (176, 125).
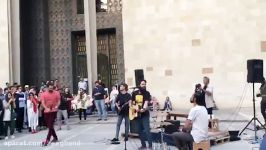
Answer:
(204, 145)
(175, 115)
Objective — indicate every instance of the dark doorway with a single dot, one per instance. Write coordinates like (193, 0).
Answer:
(79, 58)
(107, 56)
(34, 44)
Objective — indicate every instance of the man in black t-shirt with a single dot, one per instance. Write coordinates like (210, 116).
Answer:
(122, 104)
(142, 97)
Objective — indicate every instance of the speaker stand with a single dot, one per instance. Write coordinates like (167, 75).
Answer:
(254, 119)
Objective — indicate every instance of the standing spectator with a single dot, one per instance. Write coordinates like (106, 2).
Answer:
(2, 98)
(41, 120)
(69, 97)
(43, 85)
(7, 85)
(113, 96)
(9, 115)
(168, 104)
(98, 94)
(155, 104)
(208, 95)
(82, 84)
(101, 83)
(51, 82)
(32, 108)
(27, 90)
(50, 101)
(6, 90)
(13, 90)
(62, 110)
(81, 102)
(20, 108)
(57, 85)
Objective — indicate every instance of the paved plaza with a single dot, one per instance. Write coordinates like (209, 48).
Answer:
(95, 135)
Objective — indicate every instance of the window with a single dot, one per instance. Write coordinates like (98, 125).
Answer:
(80, 6)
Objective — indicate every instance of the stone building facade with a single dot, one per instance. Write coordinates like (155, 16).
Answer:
(52, 31)
(181, 41)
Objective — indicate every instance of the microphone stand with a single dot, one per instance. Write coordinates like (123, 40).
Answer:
(126, 135)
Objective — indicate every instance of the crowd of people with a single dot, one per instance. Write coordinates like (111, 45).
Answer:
(25, 107)
(21, 107)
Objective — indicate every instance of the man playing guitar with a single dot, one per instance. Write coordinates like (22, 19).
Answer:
(122, 104)
(141, 98)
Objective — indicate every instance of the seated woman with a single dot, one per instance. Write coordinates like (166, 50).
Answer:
(197, 122)
(168, 104)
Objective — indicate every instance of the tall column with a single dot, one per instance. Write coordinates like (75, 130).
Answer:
(14, 39)
(4, 50)
(91, 41)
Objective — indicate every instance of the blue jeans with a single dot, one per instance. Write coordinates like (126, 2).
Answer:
(119, 122)
(113, 108)
(144, 130)
(100, 105)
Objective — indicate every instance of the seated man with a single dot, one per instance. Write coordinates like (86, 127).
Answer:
(197, 121)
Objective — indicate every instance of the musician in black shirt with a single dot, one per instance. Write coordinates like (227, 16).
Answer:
(142, 97)
(122, 104)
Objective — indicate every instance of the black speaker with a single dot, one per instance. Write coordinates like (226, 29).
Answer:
(139, 76)
(255, 71)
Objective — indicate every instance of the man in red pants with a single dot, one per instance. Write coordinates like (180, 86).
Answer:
(50, 101)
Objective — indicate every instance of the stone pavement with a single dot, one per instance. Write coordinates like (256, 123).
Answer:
(96, 135)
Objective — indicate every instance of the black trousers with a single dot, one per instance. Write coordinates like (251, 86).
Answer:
(10, 125)
(1, 126)
(263, 108)
(84, 113)
(20, 119)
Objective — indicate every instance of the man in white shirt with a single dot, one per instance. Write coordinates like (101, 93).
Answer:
(197, 122)
(208, 95)
(82, 84)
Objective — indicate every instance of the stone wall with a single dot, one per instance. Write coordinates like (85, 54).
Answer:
(179, 42)
(4, 52)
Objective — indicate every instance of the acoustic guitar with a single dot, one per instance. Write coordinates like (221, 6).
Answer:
(133, 112)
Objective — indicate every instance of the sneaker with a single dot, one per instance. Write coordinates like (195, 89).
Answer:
(54, 141)
(142, 148)
(105, 119)
(114, 140)
(6, 138)
(12, 136)
(45, 143)
(99, 119)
